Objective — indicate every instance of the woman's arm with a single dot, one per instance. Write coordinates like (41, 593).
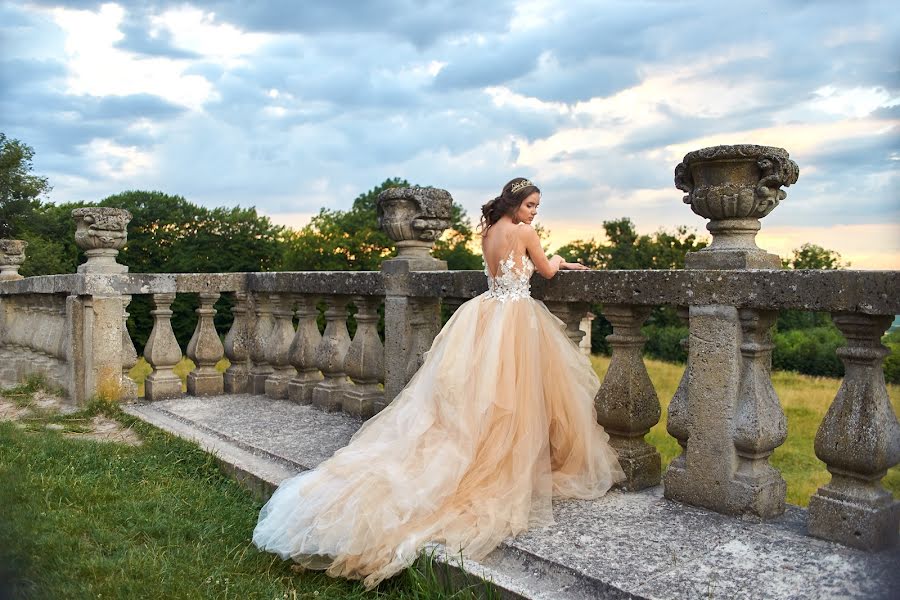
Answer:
(547, 267)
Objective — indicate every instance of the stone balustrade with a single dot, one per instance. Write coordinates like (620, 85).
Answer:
(725, 413)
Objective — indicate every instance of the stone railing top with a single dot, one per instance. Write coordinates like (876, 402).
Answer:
(870, 292)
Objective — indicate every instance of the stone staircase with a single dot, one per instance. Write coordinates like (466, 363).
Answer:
(625, 545)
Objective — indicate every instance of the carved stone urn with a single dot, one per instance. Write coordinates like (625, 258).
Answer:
(101, 232)
(734, 187)
(12, 255)
(414, 217)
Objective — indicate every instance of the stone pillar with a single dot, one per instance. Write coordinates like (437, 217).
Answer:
(414, 218)
(101, 232)
(12, 255)
(570, 313)
(162, 352)
(627, 405)
(585, 326)
(734, 187)
(263, 325)
(206, 350)
(859, 440)
(365, 361)
(95, 356)
(237, 348)
(677, 421)
(330, 356)
(303, 351)
(278, 347)
(129, 355)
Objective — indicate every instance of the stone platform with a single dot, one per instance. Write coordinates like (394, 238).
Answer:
(625, 545)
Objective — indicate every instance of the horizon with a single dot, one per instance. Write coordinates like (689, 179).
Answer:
(290, 108)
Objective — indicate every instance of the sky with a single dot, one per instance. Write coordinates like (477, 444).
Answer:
(293, 106)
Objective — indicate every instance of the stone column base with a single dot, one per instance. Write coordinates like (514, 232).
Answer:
(258, 381)
(362, 402)
(847, 520)
(763, 499)
(162, 386)
(300, 389)
(129, 388)
(641, 464)
(237, 382)
(276, 385)
(205, 384)
(329, 394)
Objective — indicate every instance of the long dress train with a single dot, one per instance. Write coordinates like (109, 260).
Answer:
(498, 420)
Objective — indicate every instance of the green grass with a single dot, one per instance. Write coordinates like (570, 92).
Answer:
(85, 519)
(805, 400)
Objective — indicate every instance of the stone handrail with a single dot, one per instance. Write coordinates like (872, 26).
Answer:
(725, 414)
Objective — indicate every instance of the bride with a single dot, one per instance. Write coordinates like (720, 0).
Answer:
(497, 421)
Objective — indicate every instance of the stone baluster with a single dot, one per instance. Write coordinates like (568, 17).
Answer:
(278, 347)
(162, 352)
(303, 351)
(760, 425)
(263, 325)
(424, 324)
(12, 255)
(570, 313)
(330, 355)
(237, 348)
(627, 404)
(677, 421)
(734, 187)
(206, 350)
(129, 355)
(859, 439)
(365, 361)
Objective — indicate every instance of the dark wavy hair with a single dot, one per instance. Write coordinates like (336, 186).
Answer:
(505, 203)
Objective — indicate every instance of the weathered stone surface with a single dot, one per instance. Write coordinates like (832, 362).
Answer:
(636, 545)
(364, 362)
(330, 356)
(859, 439)
(205, 349)
(162, 352)
(348, 283)
(129, 355)
(869, 292)
(12, 255)
(734, 187)
(303, 350)
(627, 404)
(237, 348)
(101, 231)
(414, 217)
(278, 347)
(262, 328)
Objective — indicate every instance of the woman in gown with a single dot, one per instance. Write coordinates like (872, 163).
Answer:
(497, 421)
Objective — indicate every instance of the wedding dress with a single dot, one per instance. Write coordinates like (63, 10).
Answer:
(498, 420)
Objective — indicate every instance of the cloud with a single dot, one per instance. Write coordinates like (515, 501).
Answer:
(293, 106)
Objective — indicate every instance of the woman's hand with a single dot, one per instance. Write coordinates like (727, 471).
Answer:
(570, 266)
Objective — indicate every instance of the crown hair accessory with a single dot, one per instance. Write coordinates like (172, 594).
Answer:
(520, 186)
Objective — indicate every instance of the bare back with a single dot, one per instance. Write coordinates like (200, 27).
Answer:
(502, 238)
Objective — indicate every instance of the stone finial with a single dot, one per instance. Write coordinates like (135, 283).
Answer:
(101, 232)
(734, 187)
(414, 217)
(12, 255)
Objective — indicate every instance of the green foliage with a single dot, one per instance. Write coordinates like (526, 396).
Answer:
(810, 351)
(338, 240)
(892, 361)
(811, 256)
(20, 190)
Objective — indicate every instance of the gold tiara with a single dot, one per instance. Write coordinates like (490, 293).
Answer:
(520, 185)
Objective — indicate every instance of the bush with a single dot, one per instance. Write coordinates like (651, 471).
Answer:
(810, 351)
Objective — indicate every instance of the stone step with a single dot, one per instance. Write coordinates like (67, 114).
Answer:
(624, 545)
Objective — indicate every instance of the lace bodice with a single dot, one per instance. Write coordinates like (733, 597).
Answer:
(511, 283)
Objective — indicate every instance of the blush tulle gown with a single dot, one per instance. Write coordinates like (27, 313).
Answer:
(497, 421)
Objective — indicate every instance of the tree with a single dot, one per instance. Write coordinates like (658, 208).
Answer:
(20, 190)
(811, 256)
(338, 240)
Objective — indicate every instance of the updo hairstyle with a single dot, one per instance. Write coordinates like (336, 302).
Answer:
(506, 202)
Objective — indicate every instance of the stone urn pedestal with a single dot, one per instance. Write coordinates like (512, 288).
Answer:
(12, 255)
(734, 187)
(101, 232)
